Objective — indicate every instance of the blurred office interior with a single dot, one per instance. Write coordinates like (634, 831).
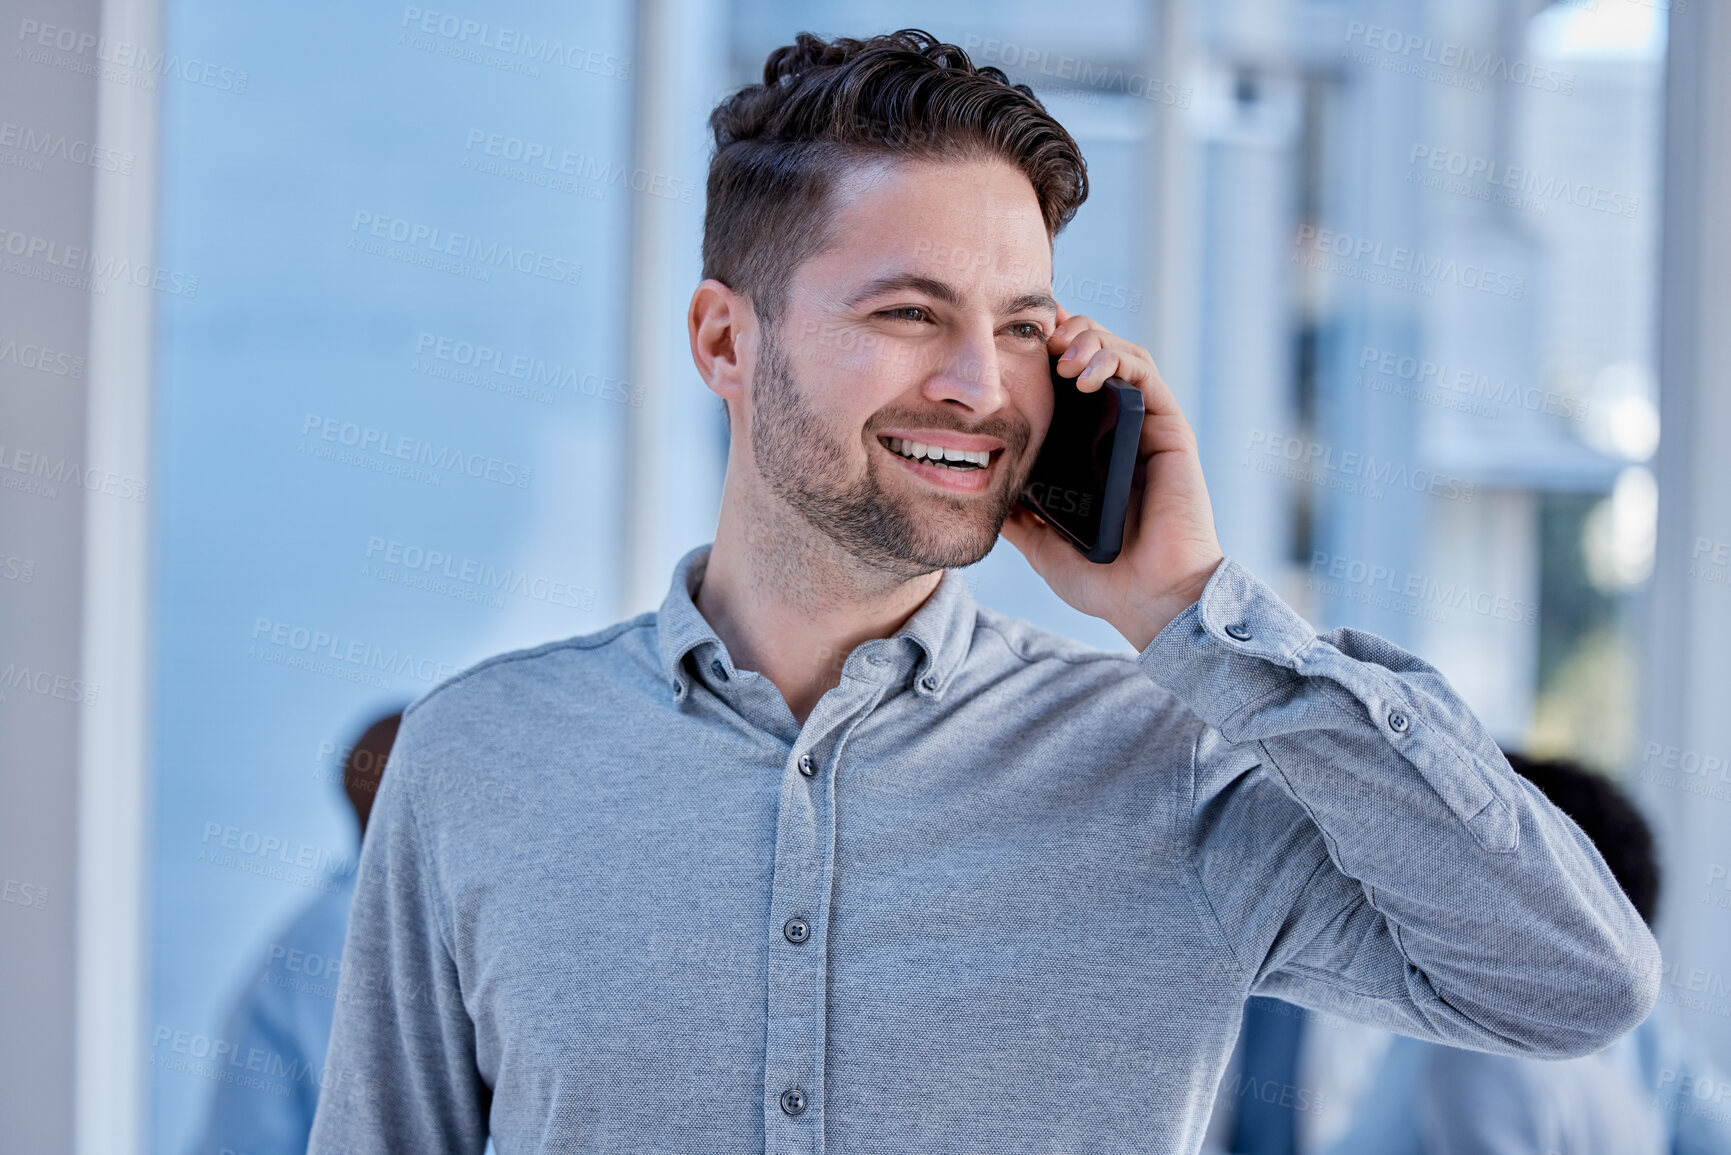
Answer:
(1440, 287)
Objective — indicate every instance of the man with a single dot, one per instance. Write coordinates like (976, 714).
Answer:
(981, 888)
(282, 1022)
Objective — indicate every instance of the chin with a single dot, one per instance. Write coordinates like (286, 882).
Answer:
(896, 531)
(943, 544)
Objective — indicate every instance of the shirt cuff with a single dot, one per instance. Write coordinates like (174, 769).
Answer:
(1234, 646)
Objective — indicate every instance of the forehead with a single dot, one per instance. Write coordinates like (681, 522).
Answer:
(966, 222)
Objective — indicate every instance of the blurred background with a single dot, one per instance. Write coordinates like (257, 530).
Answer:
(341, 347)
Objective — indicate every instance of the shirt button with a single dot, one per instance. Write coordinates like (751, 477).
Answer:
(796, 929)
(720, 670)
(805, 765)
(1238, 632)
(1397, 721)
(929, 682)
(793, 1101)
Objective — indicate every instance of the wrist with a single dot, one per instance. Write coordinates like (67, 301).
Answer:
(1158, 611)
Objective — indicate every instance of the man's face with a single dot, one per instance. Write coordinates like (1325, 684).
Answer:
(922, 324)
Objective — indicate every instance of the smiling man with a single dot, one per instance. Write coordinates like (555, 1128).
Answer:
(691, 884)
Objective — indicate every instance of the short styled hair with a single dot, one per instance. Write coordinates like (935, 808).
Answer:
(824, 105)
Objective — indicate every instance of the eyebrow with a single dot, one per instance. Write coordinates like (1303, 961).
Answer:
(942, 291)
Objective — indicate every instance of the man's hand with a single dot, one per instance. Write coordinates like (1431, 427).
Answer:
(1170, 550)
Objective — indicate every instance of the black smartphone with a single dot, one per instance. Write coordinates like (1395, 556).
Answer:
(1082, 474)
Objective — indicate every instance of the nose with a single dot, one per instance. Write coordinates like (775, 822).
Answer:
(969, 375)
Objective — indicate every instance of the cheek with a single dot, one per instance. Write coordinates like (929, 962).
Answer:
(846, 351)
(852, 396)
(836, 404)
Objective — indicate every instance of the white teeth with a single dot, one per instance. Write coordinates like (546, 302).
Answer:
(938, 453)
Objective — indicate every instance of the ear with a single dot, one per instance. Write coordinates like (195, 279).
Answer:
(722, 327)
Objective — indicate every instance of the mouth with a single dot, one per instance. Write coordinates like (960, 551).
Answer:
(947, 466)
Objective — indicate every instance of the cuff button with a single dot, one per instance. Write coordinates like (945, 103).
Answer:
(1238, 632)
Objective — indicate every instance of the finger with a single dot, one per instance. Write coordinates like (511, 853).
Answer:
(1133, 364)
(1158, 397)
(1103, 364)
(1095, 338)
(1076, 322)
(1069, 324)
(1077, 354)
(1126, 363)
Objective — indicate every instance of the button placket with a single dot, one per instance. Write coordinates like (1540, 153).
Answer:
(795, 979)
(793, 1070)
(799, 895)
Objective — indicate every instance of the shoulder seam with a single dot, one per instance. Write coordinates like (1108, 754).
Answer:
(440, 913)
(1078, 660)
(583, 642)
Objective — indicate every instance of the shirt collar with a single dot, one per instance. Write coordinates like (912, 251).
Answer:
(941, 629)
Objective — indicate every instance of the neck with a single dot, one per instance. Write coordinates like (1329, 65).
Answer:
(790, 604)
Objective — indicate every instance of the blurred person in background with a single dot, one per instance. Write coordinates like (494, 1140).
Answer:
(285, 1012)
(1636, 1097)
(984, 888)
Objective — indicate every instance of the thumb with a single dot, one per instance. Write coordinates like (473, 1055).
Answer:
(1047, 551)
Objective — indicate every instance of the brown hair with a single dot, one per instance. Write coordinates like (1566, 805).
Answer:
(823, 105)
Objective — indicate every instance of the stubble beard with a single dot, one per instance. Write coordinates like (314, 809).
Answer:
(900, 535)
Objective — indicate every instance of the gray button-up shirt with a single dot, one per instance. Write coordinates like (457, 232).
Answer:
(1036, 883)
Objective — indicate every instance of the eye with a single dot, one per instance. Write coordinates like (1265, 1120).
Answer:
(1028, 330)
(900, 313)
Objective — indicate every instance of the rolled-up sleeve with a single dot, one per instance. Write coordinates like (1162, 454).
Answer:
(1367, 850)
(401, 1039)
